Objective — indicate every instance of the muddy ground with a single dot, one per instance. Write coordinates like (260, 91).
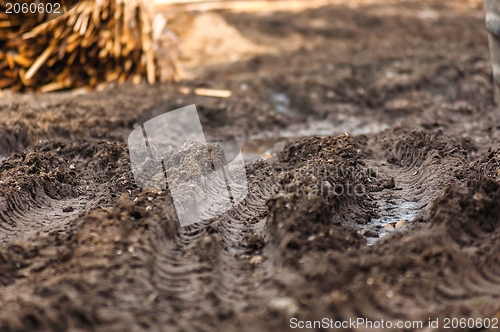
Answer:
(391, 212)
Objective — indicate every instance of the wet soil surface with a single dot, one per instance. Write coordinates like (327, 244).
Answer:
(373, 166)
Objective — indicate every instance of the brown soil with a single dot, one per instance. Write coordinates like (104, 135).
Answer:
(394, 224)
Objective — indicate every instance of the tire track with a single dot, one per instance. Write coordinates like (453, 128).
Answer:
(413, 167)
(222, 245)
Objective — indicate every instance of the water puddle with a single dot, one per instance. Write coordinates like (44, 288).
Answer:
(265, 144)
(395, 216)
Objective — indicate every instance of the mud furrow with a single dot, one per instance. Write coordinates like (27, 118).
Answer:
(227, 270)
(416, 176)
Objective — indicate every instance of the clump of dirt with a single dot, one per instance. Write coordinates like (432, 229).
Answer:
(487, 166)
(470, 214)
(327, 167)
(299, 225)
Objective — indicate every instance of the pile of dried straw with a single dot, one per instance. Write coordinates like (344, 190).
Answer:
(92, 43)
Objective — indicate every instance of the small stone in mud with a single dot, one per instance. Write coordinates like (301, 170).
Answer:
(389, 226)
(401, 223)
(256, 260)
(477, 197)
(285, 305)
(68, 209)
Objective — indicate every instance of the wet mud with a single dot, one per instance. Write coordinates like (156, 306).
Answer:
(373, 168)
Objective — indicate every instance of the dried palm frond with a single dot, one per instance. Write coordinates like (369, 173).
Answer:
(94, 42)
